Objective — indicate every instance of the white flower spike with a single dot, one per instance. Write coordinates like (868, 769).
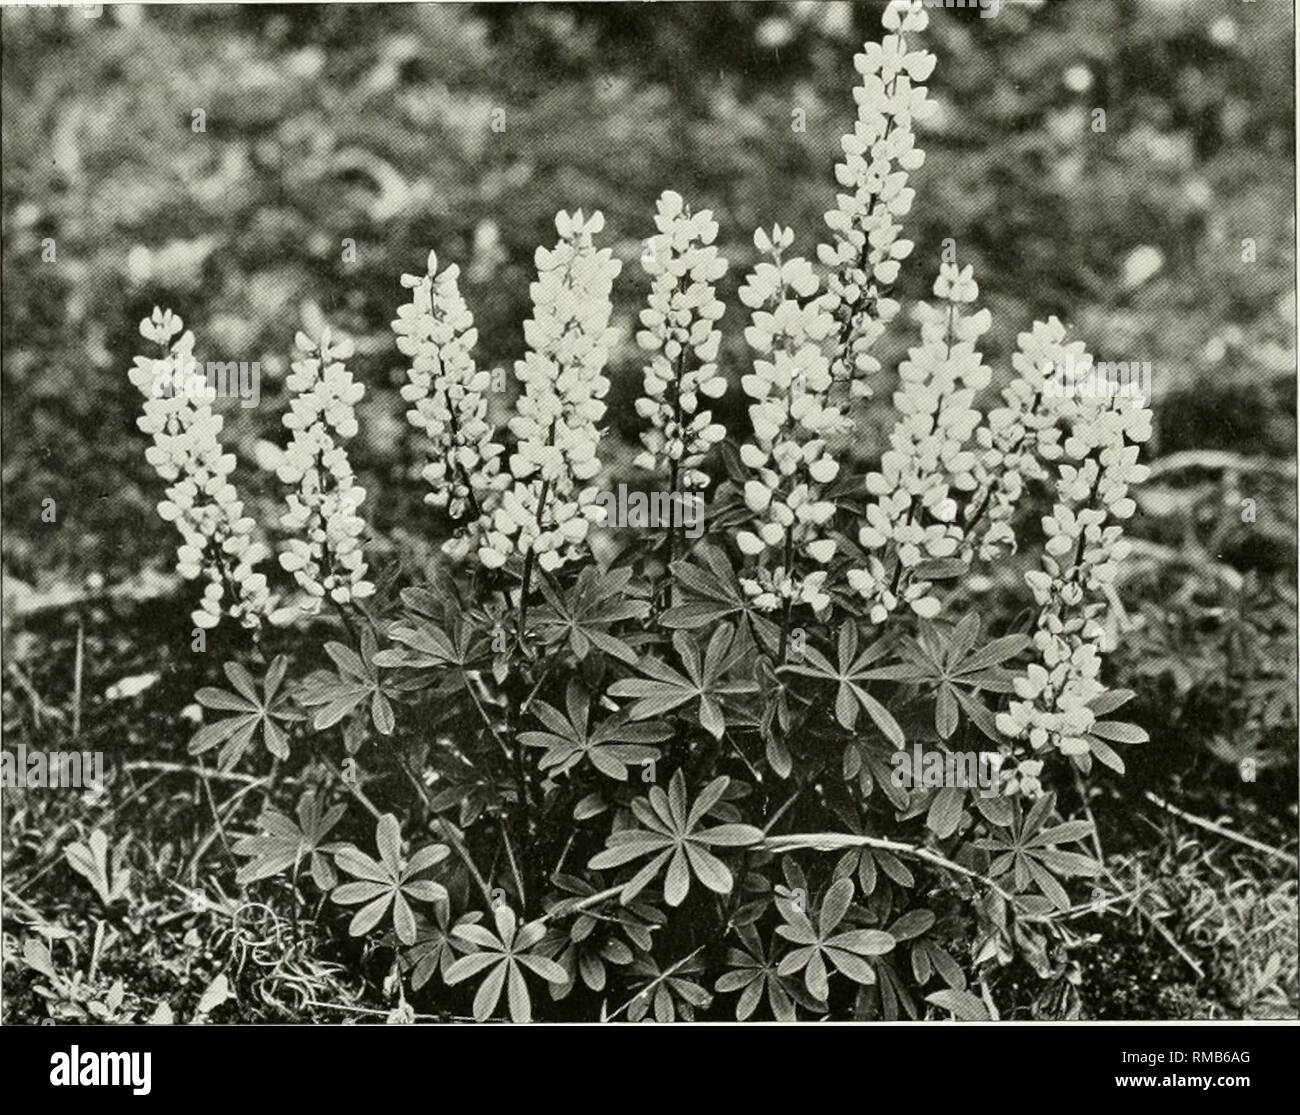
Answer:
(867, 247)
(1083, 550)
(928, 462)
(793, 420)
(326, 554)
(1017, 438)
(448, 398)
(551, 503)
(216, 535)
(680, 332)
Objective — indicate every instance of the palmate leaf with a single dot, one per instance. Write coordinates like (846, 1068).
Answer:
(927, 956)
(609, 746)
(957, 670)
(1027, 850)
(709, 593)
(817, 943)
(584, 614)
(267, 710)
(436, 946)
(585, 959)
(637, 920)
(589, 942)
(869, 864)
(424, 644)
(502, 958)
(282, 844)
(869, 761)
(664, 689)
(851, 673)
(391, 882)
(753, 972)
(675, 842)
(336, 695)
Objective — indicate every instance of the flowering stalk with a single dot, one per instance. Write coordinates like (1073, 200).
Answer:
(792, 417)
(866, 250)
(680, 332)
(216, 535)
(1081, 558)
(545, 513)
(449, 404)
(325, 556)
(914, 510)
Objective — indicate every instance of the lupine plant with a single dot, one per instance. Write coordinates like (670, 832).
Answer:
(663, 783)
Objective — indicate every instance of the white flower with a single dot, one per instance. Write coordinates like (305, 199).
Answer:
(914, 509)
(679, 330)
(216, 535)
(325, 554)
(1021, 776)
(867, 247)
(907, 15)
(449, 403)
(793, 419)
(550, 505)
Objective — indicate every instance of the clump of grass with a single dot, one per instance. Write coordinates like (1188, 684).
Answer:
(1233, 910)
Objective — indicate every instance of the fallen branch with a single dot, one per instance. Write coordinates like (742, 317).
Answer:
(645, 991)
(184, 768)
(841, 841)
(1219, 461)
(1219, 830)
(811, 841)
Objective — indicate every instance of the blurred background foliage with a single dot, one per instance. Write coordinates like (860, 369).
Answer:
(372, 124)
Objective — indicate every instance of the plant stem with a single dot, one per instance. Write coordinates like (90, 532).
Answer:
(789, 600)
(514, 867)
(453, 837)
(645, 991)
(505, 748)
(347, 621)
(529, 560)
(356, 791)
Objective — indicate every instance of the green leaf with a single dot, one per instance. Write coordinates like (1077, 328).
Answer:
(961, 1004)
(1119, 732)
(389, 882)
(704, 682)
(268, 711)
(674, 840)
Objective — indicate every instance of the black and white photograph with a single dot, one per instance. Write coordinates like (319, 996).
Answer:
(701, 513)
